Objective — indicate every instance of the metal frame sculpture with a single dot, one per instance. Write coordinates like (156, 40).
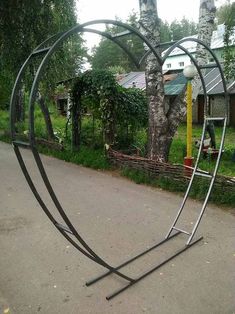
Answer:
(45, 51)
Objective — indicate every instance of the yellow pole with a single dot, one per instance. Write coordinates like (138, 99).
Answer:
(189, 119)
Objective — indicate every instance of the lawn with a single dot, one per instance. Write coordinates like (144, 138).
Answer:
(227, 166)
(91, 140)
(91, 153)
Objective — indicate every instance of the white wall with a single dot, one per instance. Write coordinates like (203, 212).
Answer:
(174, 62)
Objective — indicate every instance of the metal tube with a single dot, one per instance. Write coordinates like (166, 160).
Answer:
(211, 184)
(190, 183)
(152, 270)
(92, 281)
(113, 38)
(189, 119)
(51, 192)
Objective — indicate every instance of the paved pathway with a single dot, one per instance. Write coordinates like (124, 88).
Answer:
(42, 273)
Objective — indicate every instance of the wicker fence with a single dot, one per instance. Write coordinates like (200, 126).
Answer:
(159, 169)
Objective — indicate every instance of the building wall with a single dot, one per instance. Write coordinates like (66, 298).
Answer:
(178, 62)
(217, 106)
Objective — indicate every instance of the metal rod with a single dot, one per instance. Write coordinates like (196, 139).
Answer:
(181, 230)
(168, 43)
(92, 281)
(152, 270)
(18, 82)
(209, 66)
(203, 174)
(21, 144)
(69, 224)
(31, 184)
(211, 184)
(215, 118)
(125, 33)
(113, 38)
(40, 51)
(190, 183)
(40, 201)
(64, 228)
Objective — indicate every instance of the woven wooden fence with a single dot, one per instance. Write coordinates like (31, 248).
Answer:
(156, 169)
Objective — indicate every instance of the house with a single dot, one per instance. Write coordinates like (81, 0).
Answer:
(177, 59)
(174, 84)
(175, 81)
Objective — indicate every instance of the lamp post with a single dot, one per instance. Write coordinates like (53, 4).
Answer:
(189, 72)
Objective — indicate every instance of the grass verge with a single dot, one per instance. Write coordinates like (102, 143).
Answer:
(220, 195)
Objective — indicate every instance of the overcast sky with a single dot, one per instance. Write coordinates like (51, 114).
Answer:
(169, 10)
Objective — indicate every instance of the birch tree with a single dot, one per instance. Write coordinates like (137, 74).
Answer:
(164, 123)
(207, 12)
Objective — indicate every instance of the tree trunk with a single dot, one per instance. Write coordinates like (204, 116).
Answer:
(76, 126)
(47, 118)
(162, 124)
(205, 29)
(108, 120)
(158, 124)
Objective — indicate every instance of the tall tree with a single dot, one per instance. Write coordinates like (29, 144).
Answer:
(107, 54)
(207, 11)
(25, 25)
(158, 123)
(163, 124)
(226, 15)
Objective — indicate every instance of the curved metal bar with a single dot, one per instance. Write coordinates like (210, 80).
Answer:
(131, 29)
(178, 43)
(18, 81)
(63, 37)
(55, 200)
(198, 69)
(32, 137)
(157, 46)
(31, 184)
(86, 250)
(116, 41)
(52, 219)
(207, 48)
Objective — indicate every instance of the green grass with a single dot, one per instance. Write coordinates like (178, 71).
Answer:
(220, 195)
(86, 156)
(178, 149)
(91, 155)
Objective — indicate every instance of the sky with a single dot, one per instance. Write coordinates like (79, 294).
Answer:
(168, 10)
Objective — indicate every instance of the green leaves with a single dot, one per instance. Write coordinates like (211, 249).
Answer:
(23, 26)
(99, 93)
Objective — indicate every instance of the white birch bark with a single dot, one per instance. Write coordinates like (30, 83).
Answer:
(205, 29)
(150, 27)
(162, 124)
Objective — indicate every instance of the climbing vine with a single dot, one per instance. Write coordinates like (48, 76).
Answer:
(99, 93)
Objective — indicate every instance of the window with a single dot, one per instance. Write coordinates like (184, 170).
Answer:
(168, 65)
(181, 64)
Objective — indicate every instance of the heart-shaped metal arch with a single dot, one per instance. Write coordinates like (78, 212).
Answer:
(45, 51)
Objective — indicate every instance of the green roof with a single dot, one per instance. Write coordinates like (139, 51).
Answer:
(175, 86)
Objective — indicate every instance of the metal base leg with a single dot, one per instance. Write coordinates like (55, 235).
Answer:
(92, 281)
(111, 296)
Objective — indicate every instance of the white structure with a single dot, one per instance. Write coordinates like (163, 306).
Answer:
(177, 60)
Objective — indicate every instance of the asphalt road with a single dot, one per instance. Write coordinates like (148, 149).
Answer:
(40, 272)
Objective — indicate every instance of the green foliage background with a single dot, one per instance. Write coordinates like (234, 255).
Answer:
(23, 26)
